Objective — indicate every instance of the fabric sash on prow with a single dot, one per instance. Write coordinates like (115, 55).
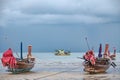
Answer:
(106, 51)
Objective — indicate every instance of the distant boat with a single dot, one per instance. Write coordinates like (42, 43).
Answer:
(62, 53)
(98, 64)
(18, 65)
(113, 56)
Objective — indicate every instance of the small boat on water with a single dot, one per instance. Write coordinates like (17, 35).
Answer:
(98, 64)
(113, 56)
(62, 53)
(18, 65)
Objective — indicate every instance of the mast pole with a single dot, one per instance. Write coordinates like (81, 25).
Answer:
(87, 43)
(21, 56)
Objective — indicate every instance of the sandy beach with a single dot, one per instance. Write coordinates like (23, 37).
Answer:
(71, 75)
(62, 71)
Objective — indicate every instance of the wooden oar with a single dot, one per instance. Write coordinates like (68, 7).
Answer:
(113, 64)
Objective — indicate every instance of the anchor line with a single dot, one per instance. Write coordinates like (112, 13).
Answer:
(9, 42)
(49, 75)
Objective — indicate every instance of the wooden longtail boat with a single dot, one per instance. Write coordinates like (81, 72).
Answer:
(18, 65)
(99, 64)
(22, 66)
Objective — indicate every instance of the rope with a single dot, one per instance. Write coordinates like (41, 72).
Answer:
(11, 44)
(1, 65)
(49, 75)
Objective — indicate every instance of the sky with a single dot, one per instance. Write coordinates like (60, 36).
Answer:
(48, 25)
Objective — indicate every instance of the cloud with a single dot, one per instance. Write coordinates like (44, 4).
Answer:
(59, 12)
(19, 18)
(2, 2)
(66, 6)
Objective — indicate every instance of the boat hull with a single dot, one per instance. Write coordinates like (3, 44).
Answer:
(22, 66)
(101, 66)
(58, 54)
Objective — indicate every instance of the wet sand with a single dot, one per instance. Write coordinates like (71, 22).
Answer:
(72, 75)
(63, 71)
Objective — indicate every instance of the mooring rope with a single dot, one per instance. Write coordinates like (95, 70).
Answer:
(49, 75)
(9, 42)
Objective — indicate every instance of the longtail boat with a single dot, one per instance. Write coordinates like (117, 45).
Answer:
(18, 65)
(98, 64)
(101, 65)
(62, 53)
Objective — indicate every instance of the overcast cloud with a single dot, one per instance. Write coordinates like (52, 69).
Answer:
(72, 17)
(59, 12)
